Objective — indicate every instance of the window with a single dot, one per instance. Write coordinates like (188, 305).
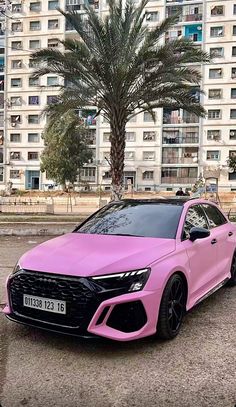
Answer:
(147, 117)
(16, 63)
(217, 52)
(133, 119)
(15, 119)
(33, 81)
(34, 44)
(233, 51)
(52, 81)
(129, 155)
(149, 136)
(35, 6)
(33, 100)
(15, 138)
(214, 114)
(35, 25)
(215, 217)
(213, 155)
(32, 63)
(33, 137)
(16, 27)
(33, 119)
(147, 175)
(152, 16)
(52, 99)
(215, 73)
(33, 155)
(1, 174)
(213, 135)
(148, 155)
(15, 155)
(232, 134)
(53, 4)
(234, 9)
(217, 11)
(16, 82)
(53, 24)
(232, 113)
(233, 93)
(217, 31)
(195, 218)
(215, 93)
(16, 7)
(233, 73)
(14, 174)
(53, 43)
(234, 29)
(130, 136)
(16, 101)
(16, 45)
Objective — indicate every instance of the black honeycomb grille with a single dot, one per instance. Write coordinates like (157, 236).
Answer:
(81, 301)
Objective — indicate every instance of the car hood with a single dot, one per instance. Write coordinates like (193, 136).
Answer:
(85, 255)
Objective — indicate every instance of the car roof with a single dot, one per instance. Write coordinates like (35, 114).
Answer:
(179, 201)
(167, 201)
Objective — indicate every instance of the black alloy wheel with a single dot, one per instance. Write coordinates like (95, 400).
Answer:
(172, 308)
(232, 280)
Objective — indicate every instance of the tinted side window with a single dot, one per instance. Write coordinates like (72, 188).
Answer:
(215, 217)
(195, 218)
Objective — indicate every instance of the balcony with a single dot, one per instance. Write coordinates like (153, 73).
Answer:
(192, 17)
(177, 180)
(176, 117)
(178, 160)
(172, 139)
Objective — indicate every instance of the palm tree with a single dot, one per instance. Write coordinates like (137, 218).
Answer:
(123, 68)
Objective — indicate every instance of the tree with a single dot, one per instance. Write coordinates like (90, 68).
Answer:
(123, 68)
(66, 149)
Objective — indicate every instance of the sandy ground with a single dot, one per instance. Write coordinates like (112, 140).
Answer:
(197, 369)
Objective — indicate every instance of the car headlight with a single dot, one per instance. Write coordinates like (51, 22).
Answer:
(128, 281)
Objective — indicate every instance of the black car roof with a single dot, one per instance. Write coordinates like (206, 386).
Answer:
(180, 201)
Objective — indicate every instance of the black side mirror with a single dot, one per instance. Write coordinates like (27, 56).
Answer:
(198, 233)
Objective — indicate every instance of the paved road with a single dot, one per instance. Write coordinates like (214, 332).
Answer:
(197, 369)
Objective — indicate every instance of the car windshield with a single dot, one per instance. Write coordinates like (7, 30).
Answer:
(135, 219)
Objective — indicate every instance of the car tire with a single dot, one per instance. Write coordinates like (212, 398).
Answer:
(232, 280)
(172, 308)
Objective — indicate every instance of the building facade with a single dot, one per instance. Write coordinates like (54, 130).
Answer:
(162, 155)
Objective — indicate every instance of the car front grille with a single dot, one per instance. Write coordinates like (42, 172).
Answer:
(81, 300)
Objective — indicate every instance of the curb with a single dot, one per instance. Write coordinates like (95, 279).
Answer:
(36, 228)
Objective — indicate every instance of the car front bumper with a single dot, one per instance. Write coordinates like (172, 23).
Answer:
(123, 318)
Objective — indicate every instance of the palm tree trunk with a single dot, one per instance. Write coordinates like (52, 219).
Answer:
(117, 139)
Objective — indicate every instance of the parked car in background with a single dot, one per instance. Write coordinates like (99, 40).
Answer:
(130, 270)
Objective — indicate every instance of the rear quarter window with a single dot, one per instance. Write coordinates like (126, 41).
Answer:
(215, 217)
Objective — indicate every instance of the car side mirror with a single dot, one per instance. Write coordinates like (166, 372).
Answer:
(198, 233)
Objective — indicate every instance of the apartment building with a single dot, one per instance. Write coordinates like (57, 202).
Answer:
(160, 155)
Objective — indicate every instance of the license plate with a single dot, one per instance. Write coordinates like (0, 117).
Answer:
(44, 304)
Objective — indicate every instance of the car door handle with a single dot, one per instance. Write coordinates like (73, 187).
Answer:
(214, 241)
(230, 233)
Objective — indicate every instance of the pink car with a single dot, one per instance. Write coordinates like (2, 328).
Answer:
(130, 270)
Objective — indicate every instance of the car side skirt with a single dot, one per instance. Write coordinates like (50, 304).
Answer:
(214, 289)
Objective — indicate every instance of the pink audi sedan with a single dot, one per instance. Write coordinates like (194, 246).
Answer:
(130, 270)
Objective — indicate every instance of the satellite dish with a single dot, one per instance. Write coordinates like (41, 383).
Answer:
(230, 170)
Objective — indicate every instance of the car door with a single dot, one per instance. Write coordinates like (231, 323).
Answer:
(224, 234)
(202, 255)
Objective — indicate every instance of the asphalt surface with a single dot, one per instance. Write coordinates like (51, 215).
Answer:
(197, 369)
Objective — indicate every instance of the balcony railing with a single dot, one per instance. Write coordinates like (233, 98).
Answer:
(180, 140)
(177, 180)
(179, 160)
(192, 17)
(180, 120)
